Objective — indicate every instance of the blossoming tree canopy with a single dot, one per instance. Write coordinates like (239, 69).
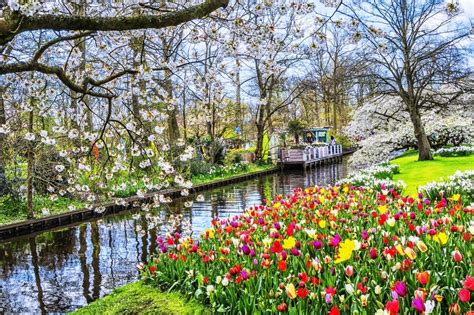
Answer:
(90, 92)
(415, 48)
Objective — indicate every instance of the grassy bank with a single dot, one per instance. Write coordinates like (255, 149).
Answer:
(417, 173)
(14, 211)
(138, 298)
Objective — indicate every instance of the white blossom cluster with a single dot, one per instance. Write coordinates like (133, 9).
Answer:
(378, 177)
(455, 151)
(382, 126)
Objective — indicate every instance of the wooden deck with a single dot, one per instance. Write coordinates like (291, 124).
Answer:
(310, 156)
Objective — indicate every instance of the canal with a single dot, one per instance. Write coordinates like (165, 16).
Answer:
(62, 270)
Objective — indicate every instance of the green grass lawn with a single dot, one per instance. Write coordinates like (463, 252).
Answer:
(417, 173)
(138, 298)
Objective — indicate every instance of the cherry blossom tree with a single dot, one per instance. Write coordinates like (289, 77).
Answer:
(415, 47)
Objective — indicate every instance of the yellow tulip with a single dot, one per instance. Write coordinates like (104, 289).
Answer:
(290, 290)
(322, 224)
(410, 253)
(345, 251)
(399, 249)
(382, 209)
(289, 243)
(441, 238)
(455, 197)
(422, 246)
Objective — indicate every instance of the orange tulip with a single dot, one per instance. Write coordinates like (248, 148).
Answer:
(423, 277)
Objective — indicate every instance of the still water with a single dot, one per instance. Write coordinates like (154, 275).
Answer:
(60, 271)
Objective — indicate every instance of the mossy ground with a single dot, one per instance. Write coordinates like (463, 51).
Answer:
(417, 173)
(139, 298)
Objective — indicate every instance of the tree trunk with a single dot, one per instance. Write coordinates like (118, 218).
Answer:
(3, 179)
(30, 171)
(240, 118)
(424, 147)
(259, 146)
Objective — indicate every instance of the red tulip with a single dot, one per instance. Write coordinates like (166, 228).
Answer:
(334, 311)
(282, 307)
(282, 265)
(464, 295)
(469, 283)
(457, 256)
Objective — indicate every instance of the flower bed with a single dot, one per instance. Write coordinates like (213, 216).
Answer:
(461, 183)
(327, 250)
(463, 150)
(378, 177)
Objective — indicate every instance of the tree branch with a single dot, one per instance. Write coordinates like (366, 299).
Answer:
(14, 23)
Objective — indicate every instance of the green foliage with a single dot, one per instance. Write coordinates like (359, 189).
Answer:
(235, 156)
(14, 210)
(417, 173)
(223, 172)
(138, 298)
(198, 167)
(342, 139)
(295, 127)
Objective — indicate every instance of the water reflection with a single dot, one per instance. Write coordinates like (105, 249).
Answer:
(59, 271)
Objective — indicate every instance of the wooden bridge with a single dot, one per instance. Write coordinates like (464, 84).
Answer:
(309, 156)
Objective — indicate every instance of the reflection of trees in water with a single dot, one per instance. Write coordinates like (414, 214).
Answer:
(95, 237)
(34, 262)
(83, 262)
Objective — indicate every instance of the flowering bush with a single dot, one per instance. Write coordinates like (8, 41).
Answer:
(327, 250)
(460, 184)
(455, 151)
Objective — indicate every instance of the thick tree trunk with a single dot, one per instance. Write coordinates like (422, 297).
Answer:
(30, 171)
(424, 147)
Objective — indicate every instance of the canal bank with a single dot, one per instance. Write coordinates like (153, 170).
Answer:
(67, 219)
(64, 269)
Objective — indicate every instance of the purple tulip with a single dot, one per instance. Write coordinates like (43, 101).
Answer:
(246, 250)
(364, 235)
(244, 274)
(401, 288)
(317, 244)
(295, 252)
(418, 305)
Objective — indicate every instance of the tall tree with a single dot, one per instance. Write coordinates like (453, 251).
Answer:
(415, 48)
